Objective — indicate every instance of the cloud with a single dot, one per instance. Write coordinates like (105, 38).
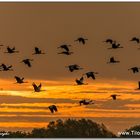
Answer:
(20, 99)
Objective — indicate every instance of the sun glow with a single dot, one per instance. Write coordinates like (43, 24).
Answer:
(20, 102)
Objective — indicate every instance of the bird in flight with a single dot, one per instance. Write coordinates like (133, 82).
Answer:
(115, 45)
(53, 108)
(27, 62)
(65, 47)
(3, 67)
(134, 69)
(20, 80)
(37, 51)
(80, 81)
(108, 41)
(114, 96)
(112, 60)
(73, 67)
(135, 39)
(81, 40)
(86, 102)
(11, 50)
(66, 52)
(91, 74)
(37, 88)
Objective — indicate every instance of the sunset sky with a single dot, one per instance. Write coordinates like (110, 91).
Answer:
(49, 25)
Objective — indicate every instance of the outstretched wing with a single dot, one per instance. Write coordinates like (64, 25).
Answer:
(114, 96)
(9, 49)
(39, 87)
(112, 59)
(75, 66)
(66, 48)
(109, 41)
(35, 86)
(71, 69)
(81, 79)
(28, 63)
(51, 109)
(135, 39)
(82, 40)
(55, 108)
(9, 66)
(17, 78)
(4, 66)
(92, 75)
(78, 82)
(36, 49)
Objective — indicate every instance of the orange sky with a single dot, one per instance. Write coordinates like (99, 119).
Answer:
(27, 109)
(49, 25)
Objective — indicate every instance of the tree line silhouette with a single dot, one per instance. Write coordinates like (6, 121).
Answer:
(70, 128)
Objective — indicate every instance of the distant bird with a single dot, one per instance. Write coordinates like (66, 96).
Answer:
(53, 108)
(74, 67)
(66, 52)
(138, 85)
(81, 40)
(37, 51)
(112, 60)
(27, 62)
(115, 45)
(19, 80)
(134, 69)
(85, 102)
(108, 41)
(37, 88)
(80, 81)
(11, 50)
(91, 74)
(65, 46)
(3, 67)
(135, 39)
(114, 96)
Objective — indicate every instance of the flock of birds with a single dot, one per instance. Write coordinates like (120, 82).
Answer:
(91, 74)
(74, 67)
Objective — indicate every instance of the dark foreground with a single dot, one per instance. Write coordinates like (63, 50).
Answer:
(72, 129)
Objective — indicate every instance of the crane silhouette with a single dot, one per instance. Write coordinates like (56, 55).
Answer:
(135, 39)
(108, 41)
(53, 108)
(37, 51)
(65, 47)
(115, 45)
(73, 67)
(27, 62)
(80, 81)
(3, 67)
(37, 88)
(86, 102)
(114, 96)
(112, 60)
(91, 74)
(11, 50)
(20, 80)
(66, 52)
(134, 69)
(81, 40)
